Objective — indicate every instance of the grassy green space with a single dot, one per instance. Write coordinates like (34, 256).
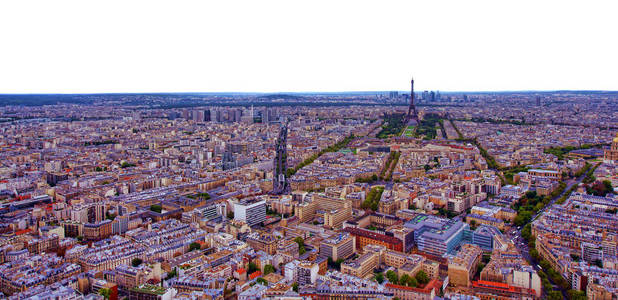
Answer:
(409, 132)
(389, 174)
(510, 172)
(427, 127)
(560, 152)
(531, 202)
(590, 175)
(393, 124)
(373, 198)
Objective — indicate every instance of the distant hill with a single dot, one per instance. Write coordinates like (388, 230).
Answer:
(282, 96)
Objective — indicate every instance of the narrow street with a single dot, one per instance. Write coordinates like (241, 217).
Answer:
(522, 245)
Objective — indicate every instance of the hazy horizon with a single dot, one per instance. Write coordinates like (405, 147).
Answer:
(323, 92)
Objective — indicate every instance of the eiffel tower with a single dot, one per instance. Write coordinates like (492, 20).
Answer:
(412, 113)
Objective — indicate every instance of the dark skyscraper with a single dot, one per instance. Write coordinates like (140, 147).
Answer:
(228, 161)
(280, 180)
(412, 115)
(538, 100)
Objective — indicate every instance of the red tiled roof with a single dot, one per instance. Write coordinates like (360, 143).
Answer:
(255, 274)
(23, 231)
(373, 235)
(499, 286)
(493, 283)
(426, 289)
(23, 197)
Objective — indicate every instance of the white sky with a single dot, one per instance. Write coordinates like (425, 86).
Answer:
(267, 46)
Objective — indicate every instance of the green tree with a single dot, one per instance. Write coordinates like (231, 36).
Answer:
(554, 295)
(545, 265)
(301, 245)
(252, 268)
(136, 262)
(530, 194)
(534, 254)
(526, 232)
(204, 196)
(422, 277)
(171, 274)
(105, 293)
(156, 208)
(576, 295)
(194, 246)
(406, 279)
(392, 277)
(230, 215)
(262, 281)
(295, 286)
(411, 282)
(126, 165)
(522, 218)
(608, 185)
(109, 216)
(379, 278)
(269, 269)
(335, 264)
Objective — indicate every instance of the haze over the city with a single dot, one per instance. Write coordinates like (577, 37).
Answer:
(287, 46)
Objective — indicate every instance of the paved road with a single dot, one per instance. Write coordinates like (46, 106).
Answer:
(521, 243)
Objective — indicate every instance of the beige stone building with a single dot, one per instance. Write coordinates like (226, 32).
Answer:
(461, 268)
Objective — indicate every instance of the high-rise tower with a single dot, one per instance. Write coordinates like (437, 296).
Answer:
(280, 180)
(412, 115)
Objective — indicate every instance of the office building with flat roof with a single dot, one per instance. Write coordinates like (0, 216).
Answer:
(250, 212)
(437, 236)
(341, 245)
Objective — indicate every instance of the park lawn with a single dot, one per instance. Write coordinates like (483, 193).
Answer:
(409, 132)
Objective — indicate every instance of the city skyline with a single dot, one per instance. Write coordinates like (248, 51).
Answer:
(178, 196)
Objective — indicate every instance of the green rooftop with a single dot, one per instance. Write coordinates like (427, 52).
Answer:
(150, 289)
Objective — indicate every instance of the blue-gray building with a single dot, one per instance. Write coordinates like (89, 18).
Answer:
(437, 236)
(483, 236)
